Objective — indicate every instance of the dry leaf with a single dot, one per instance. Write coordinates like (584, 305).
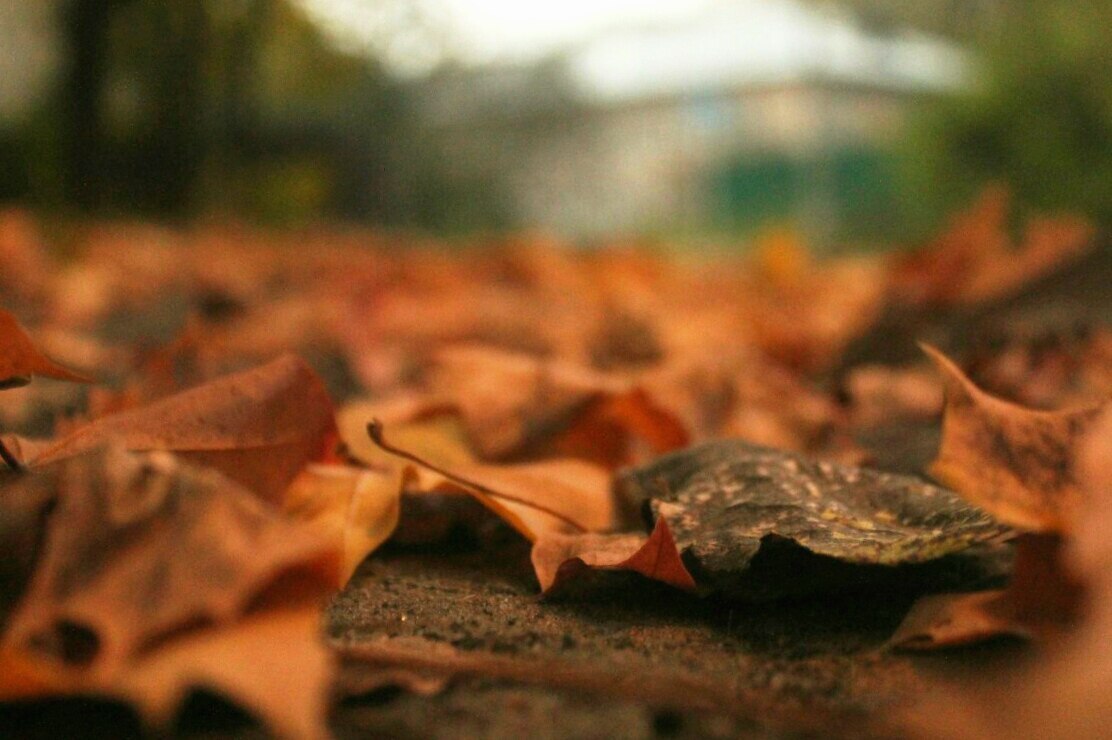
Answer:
(20, 360)
(351, 506)
(140, 546)
(1064, 694)
(533, 498)
(1018, 464)
(157, 578)
(559, 557)
(272, 662)
(975, 261)
(1042, 600)
(513, 404)
(259, 427)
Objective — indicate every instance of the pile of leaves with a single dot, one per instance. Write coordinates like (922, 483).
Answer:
(208, 431)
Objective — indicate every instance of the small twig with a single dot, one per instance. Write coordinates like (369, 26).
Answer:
(11, 460)
(374, 430)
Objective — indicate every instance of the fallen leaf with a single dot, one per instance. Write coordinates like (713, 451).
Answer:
(422, 425)
(533, 498)
(762, 524)
(1063, 694)
(259, 427)
(514, 404)
(20, 359)
(559, 557)
(157, 578)
(1017, 463)
(356, 508)
(140, 546)
(272, 662)
(1042, 600)
(974, 260)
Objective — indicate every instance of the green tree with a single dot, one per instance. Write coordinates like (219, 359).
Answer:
(1038, 115)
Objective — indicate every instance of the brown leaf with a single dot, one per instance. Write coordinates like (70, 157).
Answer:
(140, 546)
(273, 663)
(1042, 600)
(1064, 693)
(974, 260)
(259, 427)
(355, 508)
(157, 578)
(515, 404)
(559, 557)
(533, 498)
(1016, 463)
(20, 359)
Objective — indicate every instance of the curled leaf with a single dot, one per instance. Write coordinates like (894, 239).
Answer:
(357, 509)
(20, 359)
(533, 498)
(259, 427)
(763, 524)
(1018, 464)
(559, 557)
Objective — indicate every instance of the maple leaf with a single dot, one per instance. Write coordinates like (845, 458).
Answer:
(1017, 463)
(558, 557)
(156, 578)
(355, 507)
(975, 261)
(1042, 600)
(1064, 692)
(259, 427)
(533, 498)
(20, 360)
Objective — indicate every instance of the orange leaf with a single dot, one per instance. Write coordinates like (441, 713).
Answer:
(1016, 463)
(259, 427)
(140, 546)
(20, 359)
(1042, 599)
(558, 557)
(533, 498)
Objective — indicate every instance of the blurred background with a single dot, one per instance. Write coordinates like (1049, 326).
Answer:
(850, 121)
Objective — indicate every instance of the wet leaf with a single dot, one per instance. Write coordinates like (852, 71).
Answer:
(761, 524)
(1017, 463)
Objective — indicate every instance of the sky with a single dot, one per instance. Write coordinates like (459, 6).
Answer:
(412, 34)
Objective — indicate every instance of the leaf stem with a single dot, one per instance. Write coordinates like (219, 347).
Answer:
(374, 430)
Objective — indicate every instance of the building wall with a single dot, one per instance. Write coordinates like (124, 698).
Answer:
(656, 165)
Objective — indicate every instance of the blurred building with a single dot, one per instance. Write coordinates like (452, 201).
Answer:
(756, 112)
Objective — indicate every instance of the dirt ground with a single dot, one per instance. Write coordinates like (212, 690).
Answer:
(621, 657)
